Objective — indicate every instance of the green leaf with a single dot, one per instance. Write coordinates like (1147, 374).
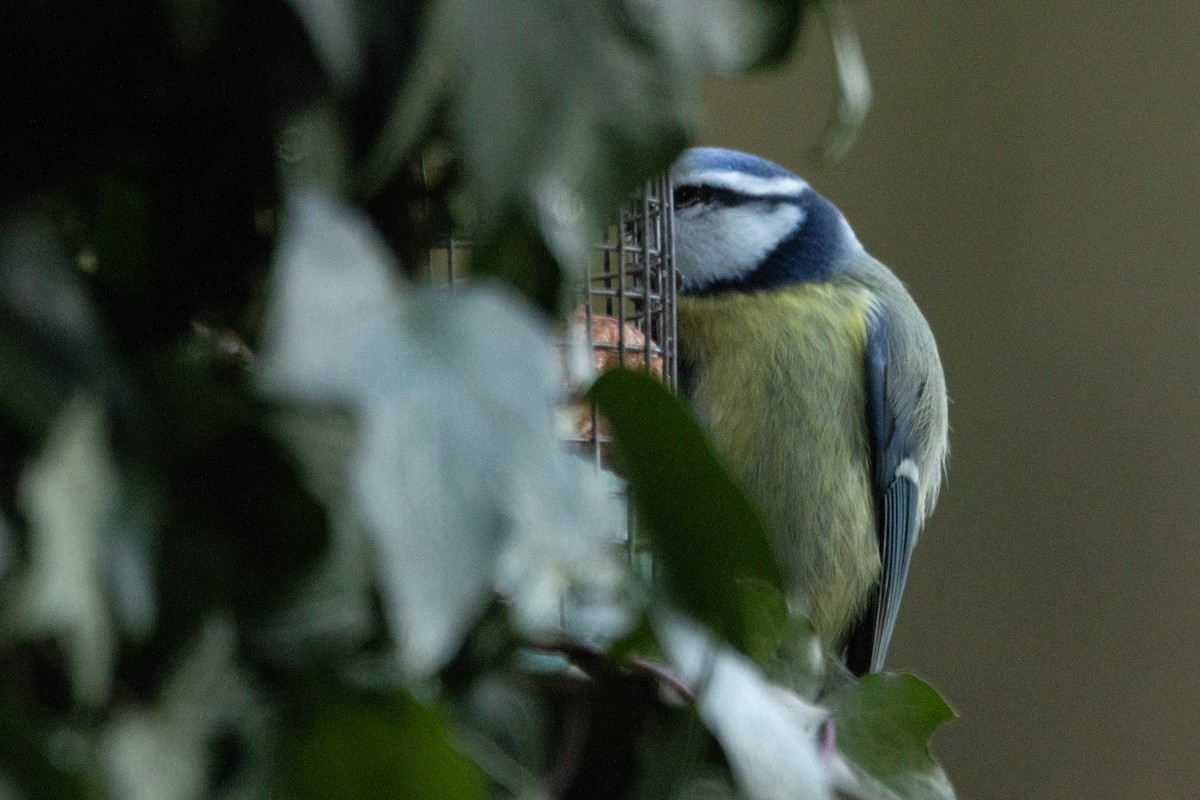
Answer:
(783, 642)
(555, 105)
(171, 749)
(771, 739)
(639, 642)
(453, 471)
(69, 494)
(767, 613)
(330, 612)
(706, 534)
(365, 746)
(50, 335)
(884, 722)
(561, 109)
(513, 252)
(25, 761)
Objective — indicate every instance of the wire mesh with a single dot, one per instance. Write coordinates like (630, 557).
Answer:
(626, 306)
(625, 315)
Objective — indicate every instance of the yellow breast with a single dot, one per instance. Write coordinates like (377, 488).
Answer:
(777, 379)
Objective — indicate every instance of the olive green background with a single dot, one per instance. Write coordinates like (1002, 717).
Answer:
(1032, 171)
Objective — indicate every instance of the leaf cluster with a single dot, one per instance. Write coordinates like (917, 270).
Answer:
(276, 520)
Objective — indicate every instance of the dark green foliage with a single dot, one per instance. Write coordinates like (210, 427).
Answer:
(274, 522)
(23, 757)
(708, 537)
(371, 745)
(884, 723)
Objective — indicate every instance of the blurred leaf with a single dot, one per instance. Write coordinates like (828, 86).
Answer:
(561, 110)
(333, 28)
(129, 572)
(726, 35)
(513, 251)
(516, 722)
(208, 725)
(782, 642)
(705, 787)
(331, 611)
(24, 758)
(884, 722)
(772, 739)
(854, 81)
(312, 150)
(707, 535)
(562, 572)
(343, 333)
(50, 337)
(409, 115)
(640, 641)
(367, 746)
(240, 530)
(766, 616)
(69, 494)
(800, 660)
(452, 393)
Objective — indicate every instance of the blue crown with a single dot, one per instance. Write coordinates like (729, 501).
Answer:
(717, 158)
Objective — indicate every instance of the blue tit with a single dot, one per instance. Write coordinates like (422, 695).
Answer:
(818, 379)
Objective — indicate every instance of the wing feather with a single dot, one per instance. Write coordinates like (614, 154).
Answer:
(895, 490)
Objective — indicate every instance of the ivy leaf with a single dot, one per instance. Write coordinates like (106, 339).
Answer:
(332, 28)
(330, 613)
(50, 334)
(208, 707)
(453, 469)
(70, 493)
(27, 767)
(784, 643)
(706, 534)
(561, 109)
(361, 746)
(884, 722)
(768, 621)
(773, 739)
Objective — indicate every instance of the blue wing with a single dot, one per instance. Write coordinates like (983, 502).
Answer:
(895, 493)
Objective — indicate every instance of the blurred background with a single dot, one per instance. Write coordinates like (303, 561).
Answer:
(1031, 171)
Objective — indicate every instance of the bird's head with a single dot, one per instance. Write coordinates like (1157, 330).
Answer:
(743, 223)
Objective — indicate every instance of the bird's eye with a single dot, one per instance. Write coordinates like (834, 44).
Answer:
(691, 195)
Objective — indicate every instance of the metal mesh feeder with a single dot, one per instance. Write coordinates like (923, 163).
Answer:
(625, 316)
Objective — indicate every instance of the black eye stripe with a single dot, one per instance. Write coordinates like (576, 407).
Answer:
(692, 194)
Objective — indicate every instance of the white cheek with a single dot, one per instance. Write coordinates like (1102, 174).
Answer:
(724, 243)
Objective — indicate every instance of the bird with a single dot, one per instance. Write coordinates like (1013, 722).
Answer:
(818, 379)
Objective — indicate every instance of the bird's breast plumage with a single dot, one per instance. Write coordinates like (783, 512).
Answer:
(777, 379)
